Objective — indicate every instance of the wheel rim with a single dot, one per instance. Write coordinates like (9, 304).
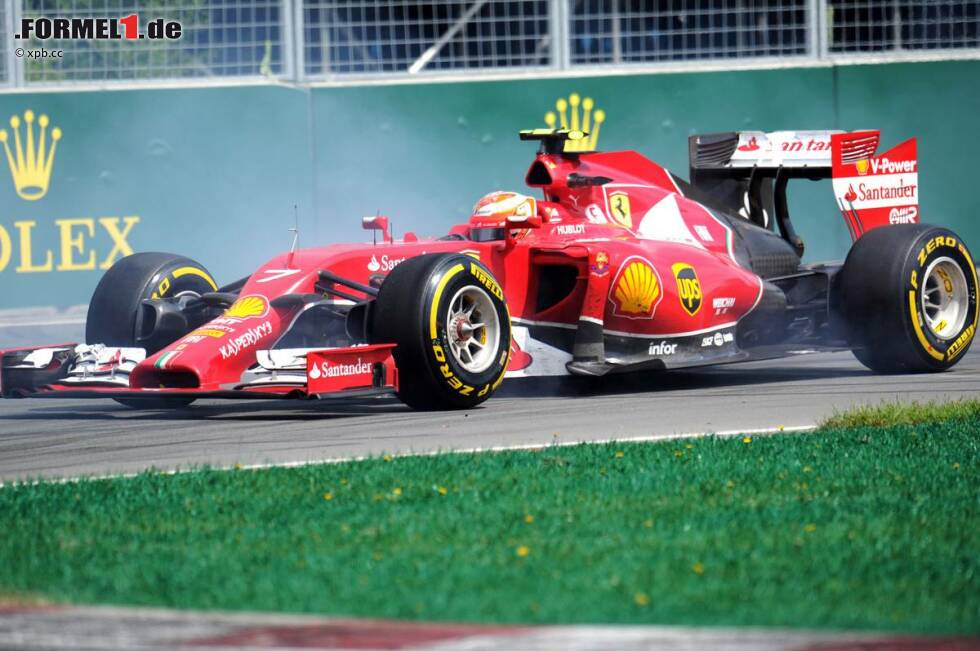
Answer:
(945, 298)
(473, 328)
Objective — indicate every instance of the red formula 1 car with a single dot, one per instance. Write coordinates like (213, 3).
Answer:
(619, 266)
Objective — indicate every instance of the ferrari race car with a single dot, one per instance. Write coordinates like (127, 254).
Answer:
(619, 266)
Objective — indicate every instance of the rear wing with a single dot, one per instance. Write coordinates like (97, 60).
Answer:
(801, 153)
(748, 172)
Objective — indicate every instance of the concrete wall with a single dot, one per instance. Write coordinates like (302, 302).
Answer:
(215, 173)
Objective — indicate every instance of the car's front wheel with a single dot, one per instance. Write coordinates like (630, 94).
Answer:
(114, 312)
(448, 318)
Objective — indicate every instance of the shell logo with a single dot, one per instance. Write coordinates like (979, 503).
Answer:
(248, 306)
(862, 166)
(636, 292)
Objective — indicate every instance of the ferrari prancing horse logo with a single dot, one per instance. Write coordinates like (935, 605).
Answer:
(619, 208)
(688, 287)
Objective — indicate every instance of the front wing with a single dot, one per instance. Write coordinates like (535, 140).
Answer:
(96, 371)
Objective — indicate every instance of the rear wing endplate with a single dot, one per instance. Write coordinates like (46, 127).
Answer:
(873, 191)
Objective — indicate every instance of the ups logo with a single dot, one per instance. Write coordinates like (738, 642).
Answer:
(688, 287)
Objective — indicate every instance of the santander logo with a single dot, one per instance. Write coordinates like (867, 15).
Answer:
(326, 369)
(751, 145)
(386, 264)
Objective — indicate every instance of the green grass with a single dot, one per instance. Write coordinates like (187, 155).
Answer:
(843, 528)
(889, 413)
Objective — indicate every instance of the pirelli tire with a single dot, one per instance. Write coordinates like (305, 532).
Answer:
(447, 315)
(114, 311)
(909, 298)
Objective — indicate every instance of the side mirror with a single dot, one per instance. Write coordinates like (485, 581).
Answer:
(529, 221)
(519, 223)
(525, 216)
(378, 223)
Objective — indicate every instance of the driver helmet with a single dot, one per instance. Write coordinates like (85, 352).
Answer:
(491, 212)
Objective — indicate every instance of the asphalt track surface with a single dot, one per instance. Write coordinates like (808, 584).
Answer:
(70, 438)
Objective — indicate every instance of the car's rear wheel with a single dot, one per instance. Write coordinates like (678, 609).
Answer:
(449, 319)
(909, 296)
(115, 309)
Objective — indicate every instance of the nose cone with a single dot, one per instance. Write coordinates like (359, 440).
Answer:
(216, 354)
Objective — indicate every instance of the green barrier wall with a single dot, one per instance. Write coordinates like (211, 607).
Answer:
(210, 173)
(215, 173)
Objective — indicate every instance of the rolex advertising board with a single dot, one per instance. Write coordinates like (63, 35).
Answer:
(89, 177)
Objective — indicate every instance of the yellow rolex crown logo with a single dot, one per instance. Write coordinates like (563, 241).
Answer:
(576, 114)
(31, 158)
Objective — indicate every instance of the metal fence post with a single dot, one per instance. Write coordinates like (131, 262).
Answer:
(299, 41)
(17, 71)
(817, 28)
(813, 28)
(896, 25)
(10, 60)
(617, 34)
(286, 31)
(292, 40)
(558, 25)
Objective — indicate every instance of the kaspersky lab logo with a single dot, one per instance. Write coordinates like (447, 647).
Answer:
(577, 114)
(84, 243)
